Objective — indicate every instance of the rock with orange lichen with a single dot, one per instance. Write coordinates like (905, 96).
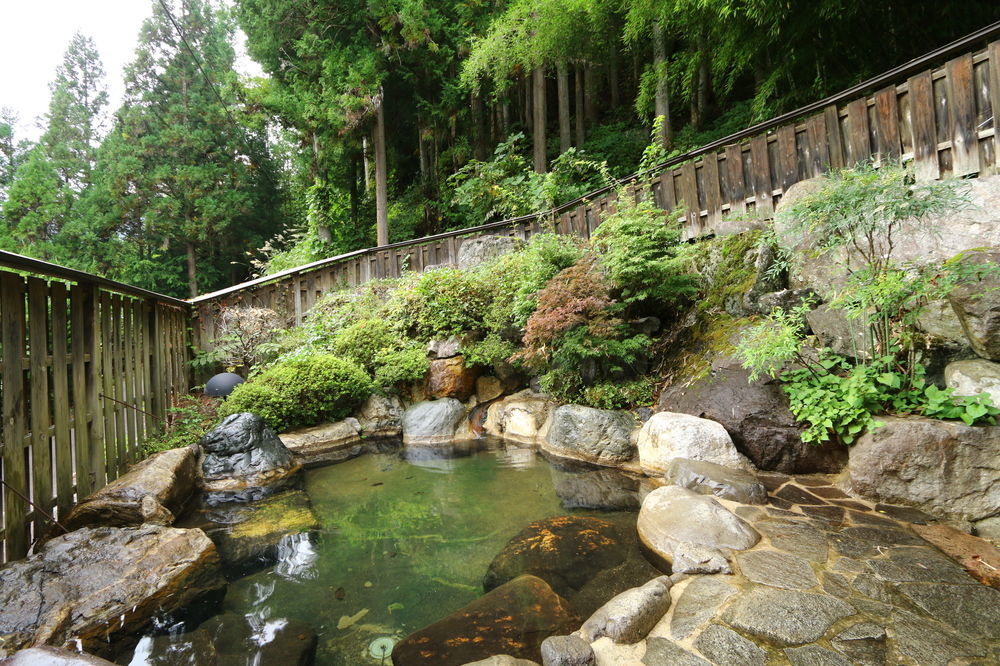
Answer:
(977, 556)
(512, 620)
(564, 551)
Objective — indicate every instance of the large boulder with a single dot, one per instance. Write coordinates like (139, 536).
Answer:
(523, 417)
(669, 435)
(565, 551)
(242, 452)
(974, 377)
(934, 240)
(756, 416)
(153, 491)
(630, 615)
(433, 421)
(451, 378)
(326, 443)
(977, 301)
(381, 416)
(513, 620)
(602, 436)
(475, 251)
(943, 467)
(709, 478)
(98, 584)
(673, 519)
(833, 329)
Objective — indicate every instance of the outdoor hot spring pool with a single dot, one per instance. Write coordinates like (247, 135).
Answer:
(403, 538)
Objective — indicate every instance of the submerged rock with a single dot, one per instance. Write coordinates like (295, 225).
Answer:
(433, 422)
(943, 467)
(242, 452)
(669, 435)
(100, 583)
(53, 656)
(671, 517)
(565, 552)
(514, 619)
(250, 533)
(605, 489)
(155, 491)
(234, 640)
(629, 616)
(602, 436)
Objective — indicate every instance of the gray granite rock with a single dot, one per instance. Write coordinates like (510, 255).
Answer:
(847, 337)
(907, 564)
(693, 558)
(973, 610)
(698, 602)
(671, 516)
(603, 436)
(864, 643)
(475, 251)
(669, 435)
(708, 478)
(974, 377)
(433, 421)
(629, 616)
(871, 587)
(977, 303)
(502, 660)
(567, 651)
(786, 617)
(942, 467)
(727, 648)
(243, 452)
(48, 655)
(782, 570)
(797, 538)
(836, 585)
(663, 652)
(929, 643)
(814, 655)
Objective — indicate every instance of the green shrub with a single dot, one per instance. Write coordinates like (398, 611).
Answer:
(363, 341)
(515, 279)
(401, 365)
(638, 246)
(187, 421)
(619, 395)
(301, 392)
(441, 302)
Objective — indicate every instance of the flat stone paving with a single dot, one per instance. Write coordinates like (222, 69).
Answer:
(834, 581)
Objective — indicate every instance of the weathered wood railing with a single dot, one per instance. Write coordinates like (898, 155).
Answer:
(88, 367)
(938, 116)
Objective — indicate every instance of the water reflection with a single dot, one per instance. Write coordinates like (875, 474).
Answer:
(296, 558)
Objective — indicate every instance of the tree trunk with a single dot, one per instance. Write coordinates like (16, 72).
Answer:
(699, 106)
(662, 86)
(479, 128)
(613, 82)
(581, 136)
(528, 124)
(381, 176)
(425, 167)
(364, 164)
(538, 96)
(505, 114)
(590, 93)
(192, 267)
(565, 129)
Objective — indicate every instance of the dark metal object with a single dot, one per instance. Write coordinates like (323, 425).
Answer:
(222, 384)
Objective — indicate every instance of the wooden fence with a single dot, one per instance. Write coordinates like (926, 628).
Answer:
(88, 368)
(936, 112)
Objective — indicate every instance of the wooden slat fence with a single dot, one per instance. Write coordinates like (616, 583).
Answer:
(88, 368)
(936, 112)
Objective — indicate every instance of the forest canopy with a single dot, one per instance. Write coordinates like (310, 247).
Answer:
(384, 120)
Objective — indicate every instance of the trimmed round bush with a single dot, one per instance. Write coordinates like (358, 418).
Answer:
(301, 392)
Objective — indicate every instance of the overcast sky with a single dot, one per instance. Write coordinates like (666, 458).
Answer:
(34, 34)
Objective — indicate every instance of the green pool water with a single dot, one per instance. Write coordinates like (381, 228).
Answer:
(404, 540)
